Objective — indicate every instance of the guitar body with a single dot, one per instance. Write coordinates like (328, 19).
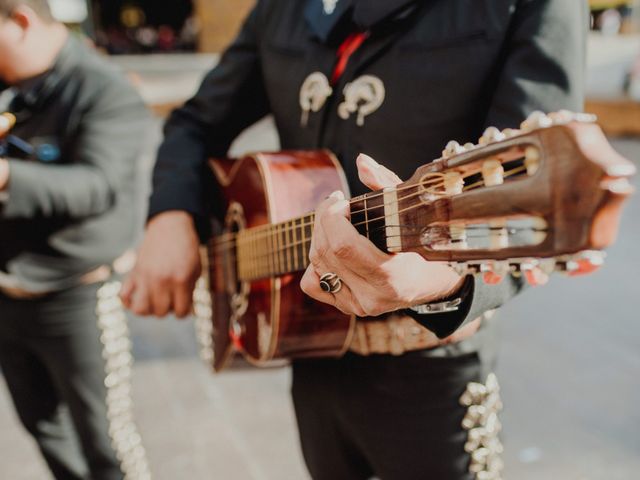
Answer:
(272, 318)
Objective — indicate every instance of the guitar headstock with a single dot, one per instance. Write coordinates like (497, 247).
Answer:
(545, 197)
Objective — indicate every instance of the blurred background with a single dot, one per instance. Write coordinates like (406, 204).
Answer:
(570, 361)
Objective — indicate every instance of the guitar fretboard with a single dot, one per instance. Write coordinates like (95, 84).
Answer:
(276, 249)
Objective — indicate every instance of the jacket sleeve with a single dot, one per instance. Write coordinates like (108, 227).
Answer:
(543, 68)
(87, 184)
(230, 98)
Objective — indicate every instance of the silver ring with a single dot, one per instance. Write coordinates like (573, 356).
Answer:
(330, 283)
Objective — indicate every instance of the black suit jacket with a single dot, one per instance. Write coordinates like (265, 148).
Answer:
(450, 68)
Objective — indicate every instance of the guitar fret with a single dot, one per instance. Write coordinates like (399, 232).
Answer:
(287, 253)
(274, 238)
(247, 259)
(294, 235)
(292, 248)
(304, 254)
(261, 259)
(256, 264)
(366, 215)
(308, 228)
(249, 254)
(283, 249)
(254, 256)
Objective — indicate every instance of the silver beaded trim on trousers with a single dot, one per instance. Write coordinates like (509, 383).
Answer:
(116, 352)
(481, 422)
(202, 309)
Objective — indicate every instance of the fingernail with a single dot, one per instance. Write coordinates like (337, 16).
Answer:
(338, 195)
(368, 160)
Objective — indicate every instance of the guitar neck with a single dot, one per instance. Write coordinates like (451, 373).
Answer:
(277, 249)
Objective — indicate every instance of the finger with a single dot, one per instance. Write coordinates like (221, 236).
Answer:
(182, 300)
(374, 175)
(352, 250)
(126, 291)
(343, 300)
(140, 301)
(322, 257)
(319, 244)
(161, 300)
(310, 284)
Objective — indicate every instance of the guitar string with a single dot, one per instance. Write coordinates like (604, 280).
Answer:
(258, 268)
(510, 231)
(261, 231)
(268, 232)
(264, 270)
(264, 231)
(353, 202)
(371, 196)
(283, 267)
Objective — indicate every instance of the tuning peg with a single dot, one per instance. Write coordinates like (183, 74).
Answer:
(465, 268)
(491, 135)
(469, 146)
(511, 132)
(563, 117)
(492, 278)
(534, 275)
(492, 172)
(535, 121)
(452, 149)
(583, 263)
(493, 273)
(585, 117)
(531, 160)
(453, 183)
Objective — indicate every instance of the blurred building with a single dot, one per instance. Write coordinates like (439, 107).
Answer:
(169, 26)
(613, 16)
(165, 26)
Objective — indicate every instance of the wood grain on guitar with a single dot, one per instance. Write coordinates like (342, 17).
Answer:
(544, 198)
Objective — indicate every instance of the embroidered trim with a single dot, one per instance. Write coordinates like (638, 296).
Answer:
(202, 309)
(364, 95)
(483, 425)
(116, 352)
(313, 95)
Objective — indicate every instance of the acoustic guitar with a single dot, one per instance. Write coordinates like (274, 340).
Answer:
(546, 197)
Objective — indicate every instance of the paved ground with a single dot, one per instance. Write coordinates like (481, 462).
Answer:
(569, 372)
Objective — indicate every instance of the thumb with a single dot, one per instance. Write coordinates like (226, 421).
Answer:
(374, 175)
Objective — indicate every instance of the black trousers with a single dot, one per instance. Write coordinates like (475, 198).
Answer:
(395, 418)
(51, 358)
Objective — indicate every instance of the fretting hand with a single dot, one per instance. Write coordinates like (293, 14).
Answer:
(373, 282)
